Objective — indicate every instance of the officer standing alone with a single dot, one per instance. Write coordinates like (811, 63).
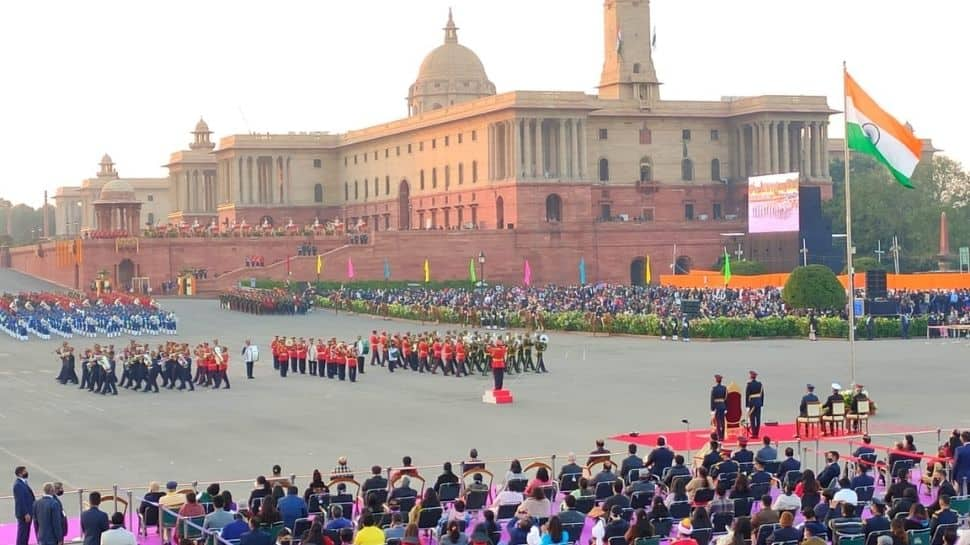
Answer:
(754, 397)
(718, 405)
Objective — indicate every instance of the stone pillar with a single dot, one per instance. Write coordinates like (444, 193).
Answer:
(804, 162)
(825, 149)
(574, 140)
(813, 148)
(742, 169)
(540, 151)
(513, 147)
(772, 147)
(562, 149)
(785, 159)
(765, 147)
(581, 135)
(491, 153)
(527, 144)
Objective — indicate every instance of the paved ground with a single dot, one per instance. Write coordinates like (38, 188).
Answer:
(597, 387)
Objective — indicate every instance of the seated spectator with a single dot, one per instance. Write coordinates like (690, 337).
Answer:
(609, 525)
(741, 488)
(847, 523)
(227, 500)
(642, 485)
(944, 515)
(862, 477)
(211, 491)
(337, 520)
(447, 477)
(788, 464)
(658, 510)
(787, 500)
(268, 512)
(541, 480)
(811, 522)
(396, 529)
(219, 517)
(480, 536)
(406, 469)
(678, 493)
(477, 484)
(809, 485)
(785, 530)
(699, 519)
(537, 505)
(812, 538)
(701, 481)
(411, 532)
(404, 491)
(618, 498)
(255, 536)
(766, 515)
(453, 535)
(317, 486)
(506, 497)
(472, 462)
(605, 475)
(369, 533)
(116, 534)
(898, 529)
(641, 527)
(235, 529)
(429, 500)
(518, 529)
(568, 513)
(149, 501)
(598, 454)
(570, 468)
(172, 500)
(513, 474)
(904, 503)
(739, 533)
(346, 536)
(292, 507)
(684, 531)
(554, 534)
(767, 453)
(261, 490)
(917, 518)
(631, 462)
(679, 469)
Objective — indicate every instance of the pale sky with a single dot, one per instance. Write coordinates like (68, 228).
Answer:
(131, 78)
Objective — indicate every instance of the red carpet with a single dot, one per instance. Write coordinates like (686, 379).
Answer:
(698, 437)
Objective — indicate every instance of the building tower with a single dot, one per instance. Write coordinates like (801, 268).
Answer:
(628, 71)
(202, 136)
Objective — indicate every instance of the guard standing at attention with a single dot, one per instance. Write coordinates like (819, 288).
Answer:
(718, 405)
(809, 397)
(497, 353)
(754, 399)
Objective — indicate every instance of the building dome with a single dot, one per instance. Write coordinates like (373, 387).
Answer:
(450, 74)
(202, 126)
(117, 191)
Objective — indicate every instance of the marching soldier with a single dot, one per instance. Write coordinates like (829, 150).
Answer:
(718, 405)
(754, 398)
(151, 377)
(185, 368)
(541, 347)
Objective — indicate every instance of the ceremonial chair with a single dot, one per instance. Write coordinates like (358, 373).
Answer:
(734, 413)
(487, 478)
(448, 492)
(119, 504)
(873, 537)
(535, 465)
(836, 417)
(861, 416)
(813, 417)
(148, 518)
(506, 512)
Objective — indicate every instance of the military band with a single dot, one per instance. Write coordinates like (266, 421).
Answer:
(141, 367)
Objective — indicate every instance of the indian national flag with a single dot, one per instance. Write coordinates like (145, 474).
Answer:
(870, 130)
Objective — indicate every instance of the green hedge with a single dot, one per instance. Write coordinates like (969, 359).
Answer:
(701, 328)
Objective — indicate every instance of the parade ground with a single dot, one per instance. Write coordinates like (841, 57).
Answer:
(597, 387)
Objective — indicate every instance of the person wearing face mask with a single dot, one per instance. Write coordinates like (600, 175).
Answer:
(23, 504)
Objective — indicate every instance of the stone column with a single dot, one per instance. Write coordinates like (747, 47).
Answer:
(574, 140)
(773, 147)
(765, 148)
(540, 152)
(583, 164)
(514, 156)
(562, 149)
(491, 153)
(527, 144)
(785, 147)
(825, 149)
(742, 169)
(813, 149)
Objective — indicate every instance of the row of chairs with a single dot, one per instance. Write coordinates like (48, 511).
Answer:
(836, 419)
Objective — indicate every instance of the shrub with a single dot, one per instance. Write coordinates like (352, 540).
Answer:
(814, 287)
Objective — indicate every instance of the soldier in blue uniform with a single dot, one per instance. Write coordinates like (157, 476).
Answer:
(754, 399)
(809, 397)
(718, 405)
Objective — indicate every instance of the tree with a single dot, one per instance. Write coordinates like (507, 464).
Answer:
(814, 287)
(867, 263)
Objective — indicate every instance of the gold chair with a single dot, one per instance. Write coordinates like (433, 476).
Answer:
(836, 417)
(861, 415)
(813, 417)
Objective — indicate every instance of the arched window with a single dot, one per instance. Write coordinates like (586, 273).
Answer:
(474, 171)
(356, 190)
(318, 193)
(554, 208)
(716, 170)
(687, 170)
(646, 169)
(604, 170)
(346, 191)
(422, 179)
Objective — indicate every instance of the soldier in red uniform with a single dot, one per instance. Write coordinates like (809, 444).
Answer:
(436, 356)
(291, 353)
(301, 356)
(446, 354)
(322, 354)
(384, 347)
(460, 357)
(406, 353)
(282, 359)
(274, 350)
(497, 354)
(375, 356)
(222, 368)
(351, 359)
(423, 364)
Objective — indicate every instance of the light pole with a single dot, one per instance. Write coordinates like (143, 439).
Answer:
(481, 263)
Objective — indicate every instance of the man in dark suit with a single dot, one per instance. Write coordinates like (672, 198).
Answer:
(23, 501)
(944, 516)
(713, 457)
(832, 469)
(865, 452)
(878, 522)
(809, 397)
(94, 521)
(255, 536)
(676, 470)
(961, 463)
(630, 463)
(743, 455)
(759, 475)
(49, 518)
(570, 515)
(718, 405)
(754, 400)
(827, 406)
(571, 471)
(376, 480)
(727, 466)
(660, 458)
(788, 464)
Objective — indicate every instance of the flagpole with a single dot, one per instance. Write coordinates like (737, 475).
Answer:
(848, 227)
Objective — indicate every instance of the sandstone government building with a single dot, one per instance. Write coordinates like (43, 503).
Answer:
(552, 177)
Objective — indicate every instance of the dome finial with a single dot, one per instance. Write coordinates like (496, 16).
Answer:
(451, 31)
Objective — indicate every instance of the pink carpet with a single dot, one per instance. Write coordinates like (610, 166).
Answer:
(8, 534)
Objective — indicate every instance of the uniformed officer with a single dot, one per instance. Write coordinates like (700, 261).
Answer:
(754, 397)
(718, 405)
(836, 397)
(809, 397)
(151, 378)
(858, 396)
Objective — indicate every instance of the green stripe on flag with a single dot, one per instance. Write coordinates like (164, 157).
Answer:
(857, 140)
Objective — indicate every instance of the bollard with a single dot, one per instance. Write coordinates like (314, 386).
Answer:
(114, 493)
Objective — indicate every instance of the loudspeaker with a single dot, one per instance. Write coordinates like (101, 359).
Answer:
(875, 284)
(691, 309)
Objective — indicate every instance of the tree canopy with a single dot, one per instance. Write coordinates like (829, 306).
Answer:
(814, 287)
